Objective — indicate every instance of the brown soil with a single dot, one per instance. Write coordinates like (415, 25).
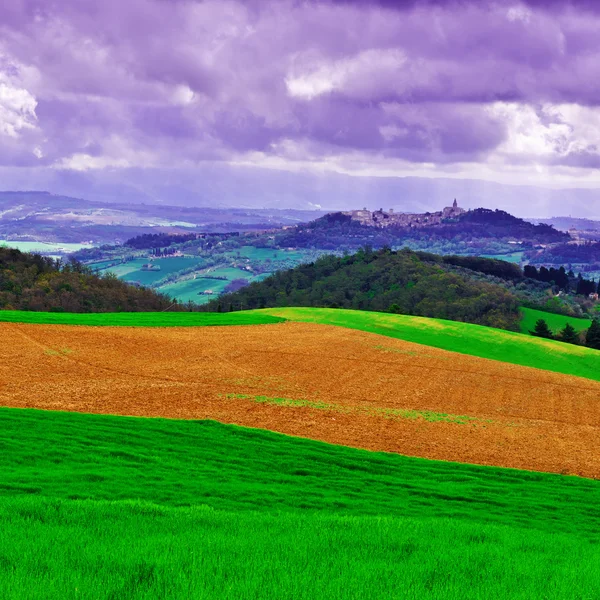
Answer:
(353, 382)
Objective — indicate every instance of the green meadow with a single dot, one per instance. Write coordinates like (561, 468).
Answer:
(132, 271)
(139, 319)
(555, 322)
(465, 338)
(116, 507)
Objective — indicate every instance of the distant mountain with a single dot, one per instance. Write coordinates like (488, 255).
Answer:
(566, 223)
(219, 185)
(42, 216)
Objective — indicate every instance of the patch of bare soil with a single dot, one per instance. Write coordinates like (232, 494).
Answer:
(317, 381)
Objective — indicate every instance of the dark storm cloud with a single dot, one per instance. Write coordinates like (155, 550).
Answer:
(170, 80)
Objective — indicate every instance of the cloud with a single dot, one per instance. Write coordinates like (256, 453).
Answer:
(87, 84)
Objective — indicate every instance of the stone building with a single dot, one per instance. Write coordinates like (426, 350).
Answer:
(381, 218)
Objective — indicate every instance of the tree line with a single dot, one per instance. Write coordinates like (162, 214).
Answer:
(589, 338)
(34, 282)
(380, 280)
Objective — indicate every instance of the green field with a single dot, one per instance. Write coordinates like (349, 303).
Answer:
(167, 266)
(262, 254)
(133, 319)
(191, 289)
(513, 257)
(555, 322)
(466, 338)
(101, 507)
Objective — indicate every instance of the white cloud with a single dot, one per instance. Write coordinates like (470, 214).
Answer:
(86, 162)
(17, 108)
(182, 95)
(519, 13)
(341, 74)
(549, 131)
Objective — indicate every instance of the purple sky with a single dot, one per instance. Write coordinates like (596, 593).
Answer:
(507, 91)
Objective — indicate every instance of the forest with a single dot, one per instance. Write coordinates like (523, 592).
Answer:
(586, 253)
(381, 280)
(34, 282)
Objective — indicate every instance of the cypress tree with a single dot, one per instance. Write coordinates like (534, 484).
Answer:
(569, 335)
(592, 338)
(542, 330)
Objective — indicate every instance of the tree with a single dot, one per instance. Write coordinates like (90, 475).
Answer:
(569, 335)
(542, 330)
(592, 338)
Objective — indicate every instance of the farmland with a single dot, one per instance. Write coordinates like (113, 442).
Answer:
(390, 483)
(475, 340)
(193, 271)
(153, 508)
(145, 319)
(312, 380)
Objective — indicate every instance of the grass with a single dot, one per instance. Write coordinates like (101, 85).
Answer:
(139, 319)
(45, 247)
(475, 340)
(513, 257)
(167, 266)
(55, 550)
(96, 507)
(555, 322)
(388, 413)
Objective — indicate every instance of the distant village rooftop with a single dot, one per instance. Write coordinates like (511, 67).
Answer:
(380, 218)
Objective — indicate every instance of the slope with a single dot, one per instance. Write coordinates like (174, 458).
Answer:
(402, 282)
(107, 507)
(312, 380)
(555, 322)
(475, 340)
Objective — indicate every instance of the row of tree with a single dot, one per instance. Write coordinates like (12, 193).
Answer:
(34, 282)
(562, 279)
(589, 338)
(157, 240)
(381, 280)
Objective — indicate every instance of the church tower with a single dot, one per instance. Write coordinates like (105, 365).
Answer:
(455, 204)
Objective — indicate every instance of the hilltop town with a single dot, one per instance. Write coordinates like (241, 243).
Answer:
(380, 218)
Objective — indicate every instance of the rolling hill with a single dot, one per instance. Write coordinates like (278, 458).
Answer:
(327, 382)
(403, 282)
(186, 506)
(153, 508)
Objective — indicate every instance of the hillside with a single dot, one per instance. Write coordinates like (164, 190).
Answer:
(565, 254)
(166, 509)
(554, 321)
(476, 231)
(403, 282)
(464, 338)
(317, 381)
(173, 508)
(36, 283)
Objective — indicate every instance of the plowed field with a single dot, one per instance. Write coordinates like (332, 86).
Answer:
(338, 385)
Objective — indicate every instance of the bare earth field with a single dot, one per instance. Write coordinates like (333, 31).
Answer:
(328, 383)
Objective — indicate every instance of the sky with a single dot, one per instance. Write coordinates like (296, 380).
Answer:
(499, 91)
